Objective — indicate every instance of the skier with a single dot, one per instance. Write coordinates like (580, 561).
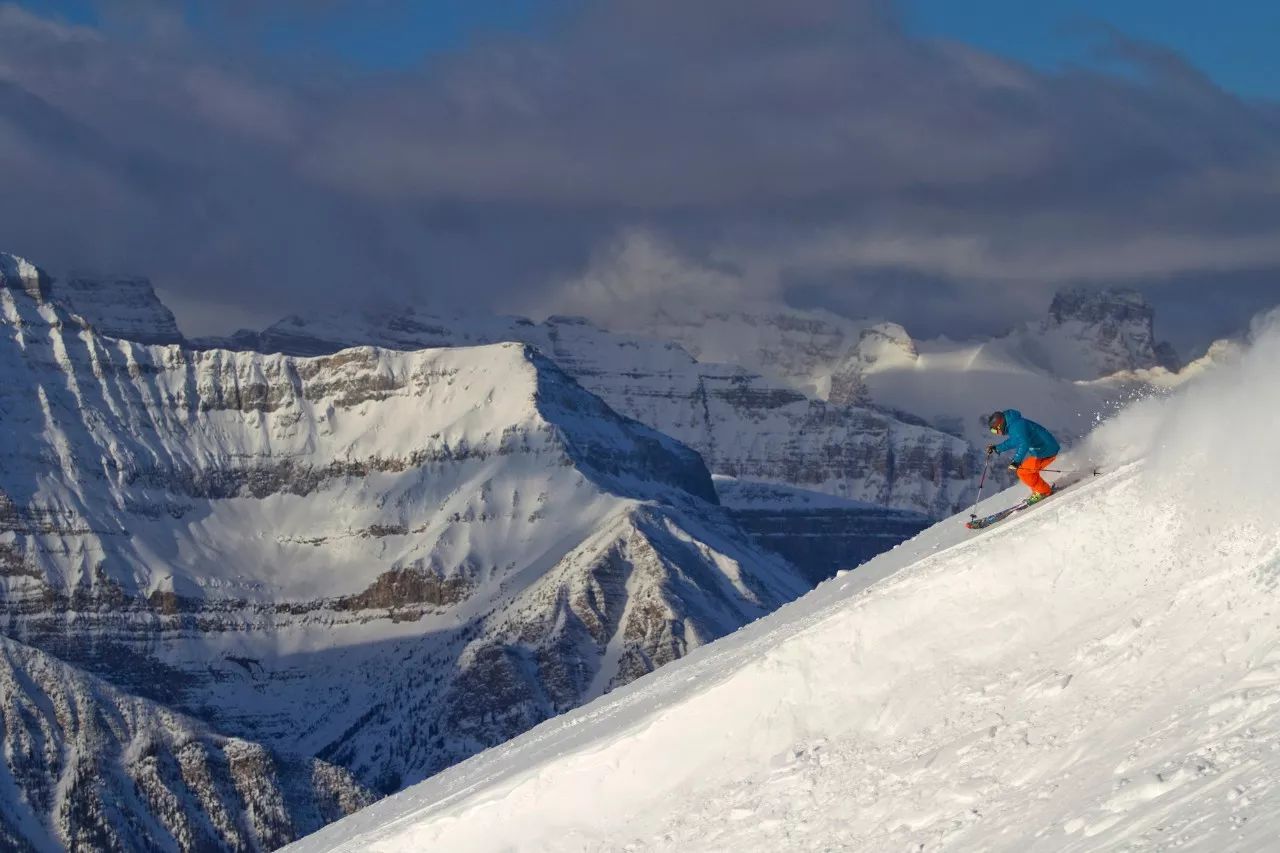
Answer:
(1034, 449)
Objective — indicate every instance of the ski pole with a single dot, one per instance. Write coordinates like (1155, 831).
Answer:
(981, 483)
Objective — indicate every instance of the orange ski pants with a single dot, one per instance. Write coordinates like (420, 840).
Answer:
(1029, 473)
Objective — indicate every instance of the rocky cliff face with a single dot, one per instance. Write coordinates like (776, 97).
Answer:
(386, 560)
(120, 307)
(87, 767)
(115, 306)
(742, 424)
(1090, 334)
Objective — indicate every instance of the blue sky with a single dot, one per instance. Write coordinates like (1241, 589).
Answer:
(1236, 42)
(374, 33)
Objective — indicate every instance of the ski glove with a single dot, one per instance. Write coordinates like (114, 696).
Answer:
(991, 448)
(1013, 466)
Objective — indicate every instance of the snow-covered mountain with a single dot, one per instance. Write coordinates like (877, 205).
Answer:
(88, 767)
(1092, 356)
(952, 384)
(1094, 352)
(744, 426)
(1101, 672)
(798, 347)
(1092, 334)
(116, 306)
(387, 560)
(1087, 334)
(120, 307)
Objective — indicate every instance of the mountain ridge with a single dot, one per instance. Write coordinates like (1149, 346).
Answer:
(389, 559)
(743, 425)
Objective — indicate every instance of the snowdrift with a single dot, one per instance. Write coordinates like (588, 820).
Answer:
(1102, 672)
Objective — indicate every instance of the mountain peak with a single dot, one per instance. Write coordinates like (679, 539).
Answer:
(1085, 305)
(123, 307)
(20, 274)
(878, 347)
(120, 307)
(1095, 332)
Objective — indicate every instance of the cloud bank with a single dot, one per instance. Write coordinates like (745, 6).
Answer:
(644, 153)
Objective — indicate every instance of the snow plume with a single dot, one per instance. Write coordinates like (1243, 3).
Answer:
(1206, 447)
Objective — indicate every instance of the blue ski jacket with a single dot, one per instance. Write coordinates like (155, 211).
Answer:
(1026, 438)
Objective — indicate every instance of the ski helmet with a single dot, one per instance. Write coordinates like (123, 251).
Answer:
(996, 422)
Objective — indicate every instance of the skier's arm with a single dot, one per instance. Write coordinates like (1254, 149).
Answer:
(1017, 442)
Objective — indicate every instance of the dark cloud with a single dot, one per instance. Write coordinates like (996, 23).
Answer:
(649, 152)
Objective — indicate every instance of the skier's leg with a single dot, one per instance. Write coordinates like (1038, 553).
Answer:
(1029, 474)
(1045, 463)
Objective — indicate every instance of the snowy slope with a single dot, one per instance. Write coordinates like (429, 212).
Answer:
(390, 560)
(1100, 673)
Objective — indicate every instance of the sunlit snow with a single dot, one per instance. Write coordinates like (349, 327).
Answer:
(1099, 673)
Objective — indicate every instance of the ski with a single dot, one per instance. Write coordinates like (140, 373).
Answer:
(1071, 479)
(979, 523)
